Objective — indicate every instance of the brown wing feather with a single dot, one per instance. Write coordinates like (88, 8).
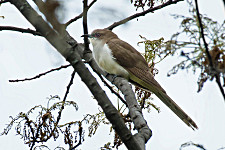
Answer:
(129, 58)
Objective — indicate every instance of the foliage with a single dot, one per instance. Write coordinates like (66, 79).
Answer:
(155, 52)
(145, 3)
(193, 49)
(39, 124)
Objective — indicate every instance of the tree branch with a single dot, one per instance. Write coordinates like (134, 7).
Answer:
(64, 98)
(79, 16)
(211, 66)
(85, 27)
(80, 130)
(220, 85)
(203, 35)
(10, 28)
(115, 24)
(41, 74)
(111, 89)
(71, 54)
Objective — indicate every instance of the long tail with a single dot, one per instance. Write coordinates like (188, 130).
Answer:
(154, 87)
(176, 109)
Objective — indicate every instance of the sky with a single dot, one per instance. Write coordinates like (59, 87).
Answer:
(24, 55)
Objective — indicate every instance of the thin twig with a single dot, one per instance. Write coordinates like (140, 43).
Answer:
(79, 16)
(85, 27)
(106, 84)
(203, 35)
(111, 89)
(64, 99)
(80, 131)
(41, 74)
(20, 30)
(220, 85)
(58, 117)
(216, 74)
(115, 24)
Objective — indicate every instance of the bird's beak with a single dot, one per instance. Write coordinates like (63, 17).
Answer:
(87, 35)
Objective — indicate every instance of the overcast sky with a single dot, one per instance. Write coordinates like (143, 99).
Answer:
(24, 55)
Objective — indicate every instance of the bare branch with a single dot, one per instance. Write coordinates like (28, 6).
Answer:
(203, 35)
(220, 85)
(79, 16)
(10, 28)
(211, 67)
(80, 131)
(58, 117)
(85, 27)
(188, 144)
(41, 74)
(64, 99)
(111, 89)
(115, 24)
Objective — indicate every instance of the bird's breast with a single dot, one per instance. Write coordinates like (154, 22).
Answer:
(104, 58)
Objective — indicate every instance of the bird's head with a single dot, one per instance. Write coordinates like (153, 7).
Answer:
(100, 35)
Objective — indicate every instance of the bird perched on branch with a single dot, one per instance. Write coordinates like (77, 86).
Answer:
(116, 56)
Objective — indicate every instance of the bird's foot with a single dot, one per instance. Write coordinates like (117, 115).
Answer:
(113, 77)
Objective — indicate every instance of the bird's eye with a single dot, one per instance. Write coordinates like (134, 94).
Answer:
(97, 35)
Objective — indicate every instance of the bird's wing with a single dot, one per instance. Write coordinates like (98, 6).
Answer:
(131, 60)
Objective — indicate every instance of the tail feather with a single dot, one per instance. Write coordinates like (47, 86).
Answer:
(161, 94)
(176, 109)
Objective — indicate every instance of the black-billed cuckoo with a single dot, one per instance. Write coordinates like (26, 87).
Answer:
(118, 57)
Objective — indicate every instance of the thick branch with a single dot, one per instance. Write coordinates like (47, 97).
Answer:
(10, 28)
(73, 57)
(211, 66)
(169, 2)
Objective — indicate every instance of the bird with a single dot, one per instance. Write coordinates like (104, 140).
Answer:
(118, 57)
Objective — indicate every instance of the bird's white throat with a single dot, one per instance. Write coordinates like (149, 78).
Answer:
(104, 58)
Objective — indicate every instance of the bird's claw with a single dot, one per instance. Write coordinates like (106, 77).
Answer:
(113, 77)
